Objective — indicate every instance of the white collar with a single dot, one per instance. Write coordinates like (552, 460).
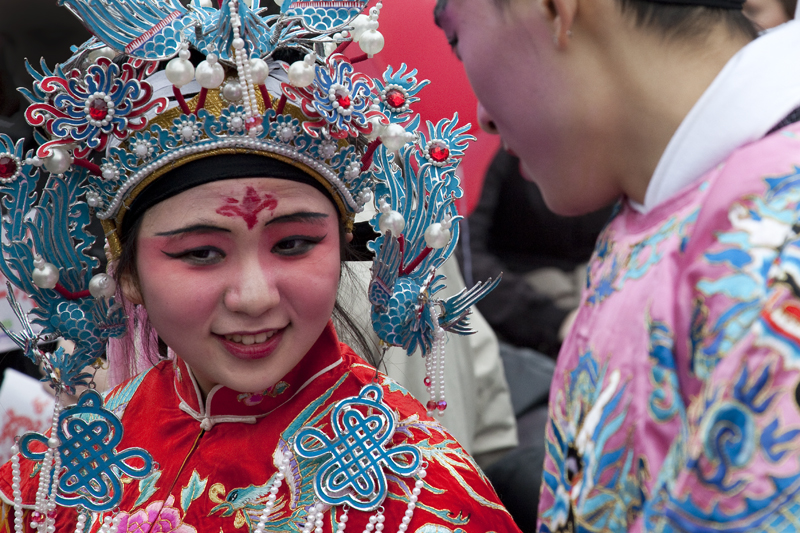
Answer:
(757, 89)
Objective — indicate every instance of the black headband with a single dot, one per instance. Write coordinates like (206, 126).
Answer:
(722, 4)
(214, 168)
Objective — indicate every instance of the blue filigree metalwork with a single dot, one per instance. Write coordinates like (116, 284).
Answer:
(323, 15)
(129, 163)
(353, 473)
(339, 101)
(397, 91)
(54, 229)
(88, 435)
(404, 280)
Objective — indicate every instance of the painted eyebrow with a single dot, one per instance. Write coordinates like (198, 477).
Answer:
(302, 216)
(194, 228)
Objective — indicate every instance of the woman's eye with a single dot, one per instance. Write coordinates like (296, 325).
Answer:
(296, 245)
(199, 256)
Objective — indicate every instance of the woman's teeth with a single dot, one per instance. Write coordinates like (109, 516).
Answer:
(250, 339)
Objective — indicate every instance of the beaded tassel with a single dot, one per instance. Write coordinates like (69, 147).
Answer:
(40, 519)
(16, 488)
(252, 120)
(81, 525)
(434, 369)
(375, 522)
(283, 466)
(314, 522)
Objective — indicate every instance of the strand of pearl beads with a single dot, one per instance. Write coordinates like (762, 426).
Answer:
(50, 503)
(245, 74)
(314, 521)
(40, 519)
(81, 525)
(434, 368)
(430, 377)
(16, 488)
(412, 501)
(375, 522)
(283, 466)
(441, 404)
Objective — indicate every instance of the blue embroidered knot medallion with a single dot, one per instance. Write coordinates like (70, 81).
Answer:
(357, 455)
(89, 434)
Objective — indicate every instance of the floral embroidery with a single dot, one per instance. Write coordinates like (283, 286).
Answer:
(255, 398)
(158, 517)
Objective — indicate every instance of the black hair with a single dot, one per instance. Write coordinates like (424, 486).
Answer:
(155, 349)
(687, 21)
(678, 21)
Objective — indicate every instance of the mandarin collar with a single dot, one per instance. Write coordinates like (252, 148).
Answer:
(227, 405)
(755, 90)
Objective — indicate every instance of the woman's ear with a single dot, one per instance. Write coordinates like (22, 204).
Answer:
(348, 237)
(130, 289)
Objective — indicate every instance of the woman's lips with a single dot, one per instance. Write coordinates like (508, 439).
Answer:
(250, 347)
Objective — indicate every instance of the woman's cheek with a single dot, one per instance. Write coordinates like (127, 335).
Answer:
(170, 287)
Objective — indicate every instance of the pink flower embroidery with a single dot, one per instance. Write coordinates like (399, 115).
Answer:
(158, 517)
(255, 398)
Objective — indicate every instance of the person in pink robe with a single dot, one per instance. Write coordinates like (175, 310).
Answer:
(675, 404)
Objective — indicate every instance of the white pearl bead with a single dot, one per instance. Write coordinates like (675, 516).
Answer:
(179, 72)
(232, 92)
(301, 74)
(206, 3)
(187, 132)
(105, 51)
(371, 42)
(377, 128)
(102, 286)
(394, 137)
(360, 25)
(259, 70)
(238, 43)
(59, 161)
(45, 276)
(392, 221)
(436, 236)
(209, 75)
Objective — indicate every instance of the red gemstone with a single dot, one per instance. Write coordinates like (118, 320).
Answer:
(431, 405)
(254, 122)
(344, 101)
(98, 109)
(439, 153)
(427, 382)
(395, 98)
(8, 167)
(442, 405)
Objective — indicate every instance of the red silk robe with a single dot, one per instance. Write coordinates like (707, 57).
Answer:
(215, 460)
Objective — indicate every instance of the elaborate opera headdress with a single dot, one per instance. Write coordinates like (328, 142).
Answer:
(161, 85)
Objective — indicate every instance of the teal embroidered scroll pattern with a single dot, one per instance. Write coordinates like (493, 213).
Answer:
(88, 455)
(357, 454)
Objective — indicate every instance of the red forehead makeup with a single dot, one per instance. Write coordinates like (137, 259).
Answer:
(248, 207)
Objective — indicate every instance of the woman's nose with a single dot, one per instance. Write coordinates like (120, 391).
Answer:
(485, 120)
(255, 290)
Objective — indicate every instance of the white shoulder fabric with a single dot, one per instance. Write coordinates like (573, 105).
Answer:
(757, 89)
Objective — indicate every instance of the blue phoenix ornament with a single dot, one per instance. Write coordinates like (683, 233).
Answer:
(416, 189)
(88, 435)
(357, 454)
